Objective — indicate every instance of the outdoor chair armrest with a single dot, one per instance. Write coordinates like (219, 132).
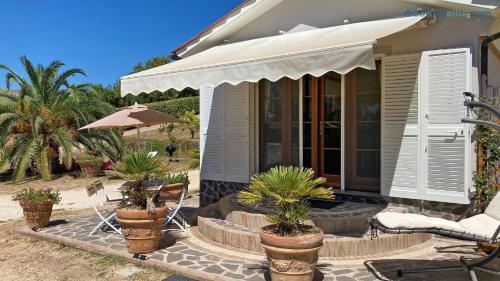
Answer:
(469, 210)
(472, 207)
(496, 236)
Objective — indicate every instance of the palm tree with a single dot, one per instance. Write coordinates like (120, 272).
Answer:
(39, 121)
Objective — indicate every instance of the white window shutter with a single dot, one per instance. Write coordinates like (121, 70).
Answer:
(237, 133)
(211, 133)
(400, 127)
(444, 76)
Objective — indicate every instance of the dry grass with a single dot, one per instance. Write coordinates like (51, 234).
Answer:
(156, 140)
(60, 182)
(25, 258)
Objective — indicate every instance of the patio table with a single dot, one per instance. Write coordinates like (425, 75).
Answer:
(153, 185)
(150, 185)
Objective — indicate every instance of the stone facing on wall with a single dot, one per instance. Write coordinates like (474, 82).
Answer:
(212, 191)
(430, 208)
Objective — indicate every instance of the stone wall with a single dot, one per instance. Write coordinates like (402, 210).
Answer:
(430, 208)
(212, 191)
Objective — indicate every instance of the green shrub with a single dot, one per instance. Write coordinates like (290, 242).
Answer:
(181, 177)
(177, 107)
(136, 167)
(95, 160)
(37, 196)
(287, 188)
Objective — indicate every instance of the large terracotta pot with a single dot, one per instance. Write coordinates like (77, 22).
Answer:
(89, 168)
(292, 258)
(141, 229)
(170, 193)
(37, 215)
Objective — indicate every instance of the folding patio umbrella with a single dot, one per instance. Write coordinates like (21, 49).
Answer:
(136, 116)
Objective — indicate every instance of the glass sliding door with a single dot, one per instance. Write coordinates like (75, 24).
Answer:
(279, 123)
(363, 138)
(330, 127)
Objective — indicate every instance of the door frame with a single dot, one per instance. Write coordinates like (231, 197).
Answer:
(350, 137)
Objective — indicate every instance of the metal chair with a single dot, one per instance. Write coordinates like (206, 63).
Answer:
(480, 228)
(173, 193)
(97, 198)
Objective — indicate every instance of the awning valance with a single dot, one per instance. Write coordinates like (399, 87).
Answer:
(338, 48)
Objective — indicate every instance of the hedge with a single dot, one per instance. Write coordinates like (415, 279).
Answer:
(177, 107)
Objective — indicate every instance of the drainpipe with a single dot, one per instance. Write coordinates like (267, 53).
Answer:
(484, 61)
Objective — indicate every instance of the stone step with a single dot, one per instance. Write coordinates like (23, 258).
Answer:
(347, 217)
(349, 245)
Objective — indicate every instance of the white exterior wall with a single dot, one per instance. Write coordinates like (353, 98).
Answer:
(446, 33)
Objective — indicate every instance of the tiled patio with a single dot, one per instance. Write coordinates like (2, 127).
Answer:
(196, 258)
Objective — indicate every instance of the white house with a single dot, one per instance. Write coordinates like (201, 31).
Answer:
(367, 93)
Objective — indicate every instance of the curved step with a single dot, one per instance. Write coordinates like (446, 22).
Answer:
(341, 245)
(347, 217)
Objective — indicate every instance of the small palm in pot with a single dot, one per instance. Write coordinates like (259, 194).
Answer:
(291, 246)
(142, 224)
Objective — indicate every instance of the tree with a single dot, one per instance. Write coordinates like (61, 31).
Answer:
(152, 63)
(191, 121)
(111, 93)
(40, 121)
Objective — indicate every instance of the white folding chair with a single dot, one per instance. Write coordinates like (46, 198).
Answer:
(97, 198)
(174, 215)
(152, 154)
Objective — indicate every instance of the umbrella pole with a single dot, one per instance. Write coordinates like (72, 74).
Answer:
(138, 138)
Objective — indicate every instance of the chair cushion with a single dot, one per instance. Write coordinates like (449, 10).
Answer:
(481, 225)
(394, 220)
(493, 209)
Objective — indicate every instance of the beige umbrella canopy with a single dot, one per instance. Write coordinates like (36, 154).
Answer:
(136, 115)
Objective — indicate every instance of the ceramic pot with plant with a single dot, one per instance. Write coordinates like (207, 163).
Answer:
(291, 246)
(174, 185)
(37, 205)
(140, 220)
(90, 165)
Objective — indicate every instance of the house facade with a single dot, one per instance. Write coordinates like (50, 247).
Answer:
(369, 94)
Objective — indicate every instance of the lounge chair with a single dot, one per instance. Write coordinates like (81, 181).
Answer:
(98, 198)
(480, 228)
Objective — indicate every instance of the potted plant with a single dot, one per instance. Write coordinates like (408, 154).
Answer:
(90, 165)
(175, 184)
(291, 246)
(485, 178)
(140, 220)
(37, 205)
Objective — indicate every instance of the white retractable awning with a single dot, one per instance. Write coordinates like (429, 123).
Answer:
(338, 48)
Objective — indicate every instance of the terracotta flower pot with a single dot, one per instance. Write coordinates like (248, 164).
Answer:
(141, 229)
(292, 258)
(170, 193)
(89, 168)
(37, 215)
(486, 247)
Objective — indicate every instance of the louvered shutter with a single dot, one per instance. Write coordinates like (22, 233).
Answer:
(444, 76)
(211, 133)
(236, 133)
(400, 127)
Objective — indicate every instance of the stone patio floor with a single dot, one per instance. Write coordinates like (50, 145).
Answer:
(196, 258)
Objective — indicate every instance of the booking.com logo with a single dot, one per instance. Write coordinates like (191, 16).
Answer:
(446, 13)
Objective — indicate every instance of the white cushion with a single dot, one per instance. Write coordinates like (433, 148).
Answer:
(399, 220)
(480, 225)
(493, 209)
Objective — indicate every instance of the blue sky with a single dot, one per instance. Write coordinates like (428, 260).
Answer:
(104, 37)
